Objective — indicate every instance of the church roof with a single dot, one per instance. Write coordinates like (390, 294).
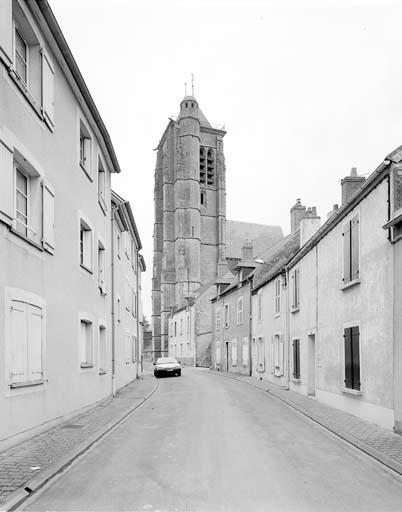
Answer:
(201, 116)
(263, 237)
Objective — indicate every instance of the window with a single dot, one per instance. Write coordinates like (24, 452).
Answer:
(277, 298)
(85, 149)
(86, 344)
(21, 209)
(85, 245)
(245, 351)
(171, 329)
(234, 352)
(218, 352)
(102, 350)
(352, 358)
(296, 359)
(133, 303)
(101, 185)
(21, 57)
(278, 355)
(202, 165)
(203, 198)
(260, 355)
(259, 305)
(351, 250)
(218, 319)
(295, 289)
(227, 315)
(101, 268)
(26, 344)
(175, 329)
(188, 325)
(239, 310)
(181, 327)
(118, 309)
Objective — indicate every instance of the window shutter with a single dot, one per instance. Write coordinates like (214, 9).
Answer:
(83, 341)
(7, 192)
(355, 248)
(355, 357)
(34, 343)
(272, 355)
(48, 89)
(6, 30)
(348, 358)
(48, 236)
(346, 253)
(281, 355)
(294, 359)
(261, 358)
(19, 333)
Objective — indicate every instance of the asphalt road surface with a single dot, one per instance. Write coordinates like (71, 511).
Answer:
(205, 442)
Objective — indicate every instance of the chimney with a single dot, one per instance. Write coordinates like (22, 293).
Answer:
(297, 212)
(351, 184)
(334, 210)
(309, 225)
(247, 251)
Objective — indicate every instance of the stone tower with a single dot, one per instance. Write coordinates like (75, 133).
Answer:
(190, 214)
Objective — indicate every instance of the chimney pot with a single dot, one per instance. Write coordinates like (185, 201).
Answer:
(353, 172)
(351, 184)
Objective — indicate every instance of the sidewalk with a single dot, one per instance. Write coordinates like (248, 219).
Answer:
(26, 467)
(379, 443)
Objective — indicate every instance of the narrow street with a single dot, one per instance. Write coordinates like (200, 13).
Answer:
(203, 442)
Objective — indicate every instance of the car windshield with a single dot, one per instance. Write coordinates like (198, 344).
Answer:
(166, 360)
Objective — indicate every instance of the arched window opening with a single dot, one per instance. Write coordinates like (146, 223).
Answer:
(186, 104)
(210, 167)
(203, 198)
(202, 165)
(192, 104)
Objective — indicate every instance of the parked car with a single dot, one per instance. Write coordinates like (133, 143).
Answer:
(167, 366)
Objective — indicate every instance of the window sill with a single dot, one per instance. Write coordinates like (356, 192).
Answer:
(86, 171)
(350, 284)
(294, 310)
(86, 268)
(87, 365)
(26, 383)
(102, 372)
(296, 381)
(350, 391)
(26, 239)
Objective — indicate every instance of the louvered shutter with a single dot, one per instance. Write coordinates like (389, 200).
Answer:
(6, 30)
(48, 237)
(294, 359)
(281, 355)
(34, 343)
(348, 358)
(7, 192)
(48, 90)
(355, 248)
(346, 253)
(355, 357)
(19, 335)
(272, 354)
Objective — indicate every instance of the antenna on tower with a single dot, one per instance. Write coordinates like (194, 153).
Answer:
(192, 84)
(185, 88)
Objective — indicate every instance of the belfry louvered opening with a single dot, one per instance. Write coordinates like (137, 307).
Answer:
(207, 166)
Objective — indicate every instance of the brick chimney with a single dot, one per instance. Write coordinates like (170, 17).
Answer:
(309, 224)
(334, 210)
(351, 184)
(247, 251)
(297, 212)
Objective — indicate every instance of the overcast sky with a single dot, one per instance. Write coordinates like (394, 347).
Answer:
(306, 90)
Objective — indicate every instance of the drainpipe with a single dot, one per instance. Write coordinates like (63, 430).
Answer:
(287, 325)
(113, 209)
(250, 352)
(137, 311)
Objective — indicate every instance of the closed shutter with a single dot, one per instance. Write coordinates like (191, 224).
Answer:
(346, 253)
(245, 350)
(355, 248)
(234, 352)
(48, 90)
(348, 358)
(6, 30)
(6, 183)
(294, 345)
(355, 357)
(272, 354)
(261, 354)
(19, 338)
(34, 343)
(281, 355)
(48, 237)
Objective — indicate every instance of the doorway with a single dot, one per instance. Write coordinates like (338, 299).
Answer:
(227, 355)
(311, 365)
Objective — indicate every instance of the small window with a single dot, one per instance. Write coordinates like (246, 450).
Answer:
(102, 350)
(227, 315)
(210, 167)
(101, 268)
(21, 211)
(277, 298)
(352, 358)
(239, 310)
(86, 344)
(351, 250)
(296, 359)
(234, 352)
(101, 186)
(85, 149)
(203, 198)
(295, 289)
(85, 245)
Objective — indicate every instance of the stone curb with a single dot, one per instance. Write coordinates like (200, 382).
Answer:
(19, 496)
(374, 453)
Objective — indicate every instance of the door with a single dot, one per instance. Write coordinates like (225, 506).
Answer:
(311, 365)
(227, 355)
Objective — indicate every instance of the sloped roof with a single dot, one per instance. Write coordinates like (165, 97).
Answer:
(263, 237)
(277, 260)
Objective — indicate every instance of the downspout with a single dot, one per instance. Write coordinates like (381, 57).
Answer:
(136, 313)
(250, 352)
(113, 209)
(287, 325)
